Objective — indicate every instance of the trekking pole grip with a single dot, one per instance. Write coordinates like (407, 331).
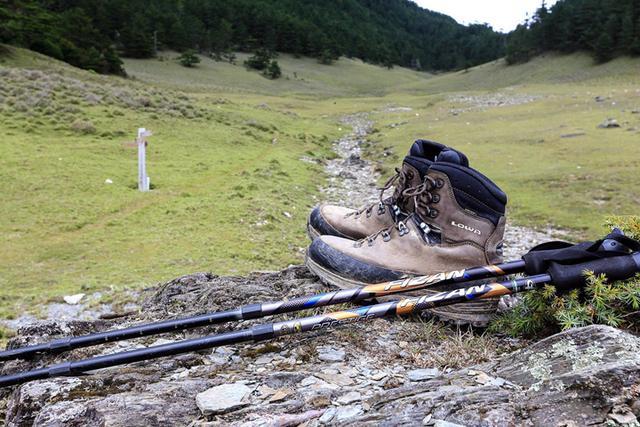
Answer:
(568, 277)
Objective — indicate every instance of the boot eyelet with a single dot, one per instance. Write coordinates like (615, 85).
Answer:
(368, 214)
(439, 183)
(386, 236)
(402, 229)
(425, 228)
(381, 209)
(433, 213)
(435, 198)
(370, 242)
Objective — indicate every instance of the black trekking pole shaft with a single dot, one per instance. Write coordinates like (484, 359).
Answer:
(278, 329)
(254, 311)
(69, 343)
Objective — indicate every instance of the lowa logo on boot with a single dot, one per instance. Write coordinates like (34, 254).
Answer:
(466, 227)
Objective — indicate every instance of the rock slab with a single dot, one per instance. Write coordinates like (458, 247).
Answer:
(223, 398)
(422, 374)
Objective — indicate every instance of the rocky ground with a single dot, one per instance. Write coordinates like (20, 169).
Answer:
(392, 371)
(494, 100)
(387, 371)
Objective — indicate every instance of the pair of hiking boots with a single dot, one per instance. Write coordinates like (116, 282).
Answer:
(442, 216)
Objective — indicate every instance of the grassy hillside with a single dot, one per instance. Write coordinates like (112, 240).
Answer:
(548, 69)
(301, 76)
(533, 129)
(223, 173)
(225, 158)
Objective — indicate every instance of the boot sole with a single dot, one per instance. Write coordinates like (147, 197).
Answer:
(475, 313)
(312, 232)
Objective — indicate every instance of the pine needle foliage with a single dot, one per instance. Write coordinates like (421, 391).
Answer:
(543, 312)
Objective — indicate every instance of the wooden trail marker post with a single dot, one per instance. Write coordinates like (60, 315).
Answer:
(143, 180)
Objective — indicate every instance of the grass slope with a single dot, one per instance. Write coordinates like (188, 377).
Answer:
(533, 129)
(224, 174)
(300, 76)
(548, 70)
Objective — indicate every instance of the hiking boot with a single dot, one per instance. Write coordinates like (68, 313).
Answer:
(458, 223)
(354, 224)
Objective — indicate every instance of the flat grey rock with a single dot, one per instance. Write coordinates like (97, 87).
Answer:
(422, 374)
(348, 413)
(223, 398)
(348, 398)
(330, 354)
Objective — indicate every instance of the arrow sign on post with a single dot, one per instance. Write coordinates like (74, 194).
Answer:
(143, 180)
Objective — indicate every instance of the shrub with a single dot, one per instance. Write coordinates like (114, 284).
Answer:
(260, 60)
(189, 59)
(83, 127)
(20, 106)
(92, 99)
(273, 70)
(326, 57)
(230, 57)
(542, 312)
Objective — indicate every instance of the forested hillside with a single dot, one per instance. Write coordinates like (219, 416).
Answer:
(92, 33)
(607, 28)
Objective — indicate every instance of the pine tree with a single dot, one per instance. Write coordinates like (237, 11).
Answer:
(221, 36)
(136, 43)
(326, 57)
(634, 49)
(112, 62)
(273, 70)
(604, 47)
(626, 31)
(259, 60)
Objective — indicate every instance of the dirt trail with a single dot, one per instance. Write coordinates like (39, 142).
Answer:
(352, 182)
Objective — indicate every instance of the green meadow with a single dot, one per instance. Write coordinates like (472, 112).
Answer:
(230, 192)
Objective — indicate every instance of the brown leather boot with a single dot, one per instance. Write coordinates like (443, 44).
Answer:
(356, 224)
(458, 223)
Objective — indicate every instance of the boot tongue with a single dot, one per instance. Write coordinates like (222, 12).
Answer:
(452, 156)
(447, 155)
(434, 151)
(426, 149)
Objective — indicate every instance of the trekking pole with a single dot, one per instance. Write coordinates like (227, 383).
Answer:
(273, 330)
(564, 277)
(255, 311)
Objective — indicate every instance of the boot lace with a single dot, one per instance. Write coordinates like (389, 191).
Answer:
(423, 198)
(385, 233)
(398, 180)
